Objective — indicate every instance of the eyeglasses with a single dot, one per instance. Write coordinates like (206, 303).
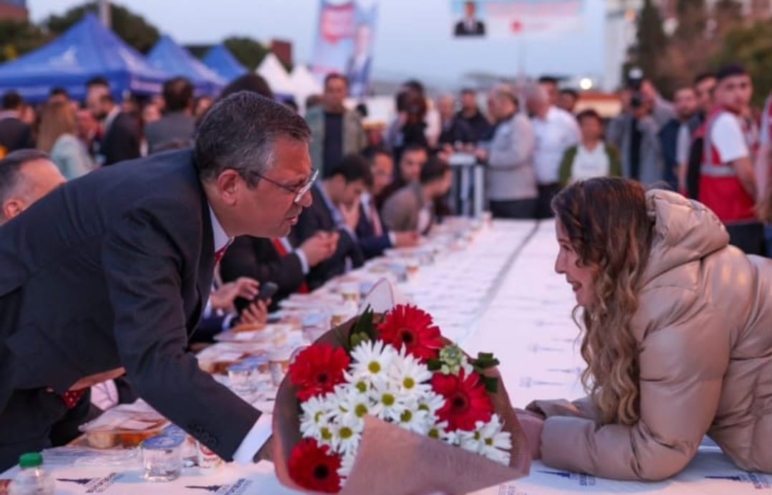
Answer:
(299, 193)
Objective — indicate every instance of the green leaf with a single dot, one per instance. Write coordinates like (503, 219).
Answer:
(434, 364)
(358, 338)
(491, 384)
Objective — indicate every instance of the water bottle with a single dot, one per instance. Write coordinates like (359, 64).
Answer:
(32, 479)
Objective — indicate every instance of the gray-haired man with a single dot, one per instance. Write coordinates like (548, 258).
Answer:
(109, 274)
(25, 177)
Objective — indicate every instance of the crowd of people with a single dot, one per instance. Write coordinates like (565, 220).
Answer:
(368, 192)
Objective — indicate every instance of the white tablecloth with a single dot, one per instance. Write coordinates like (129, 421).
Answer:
(501, 294)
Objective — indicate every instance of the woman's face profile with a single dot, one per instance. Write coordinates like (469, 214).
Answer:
(578, 276)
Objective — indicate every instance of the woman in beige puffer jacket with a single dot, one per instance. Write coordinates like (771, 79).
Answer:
(678, 337)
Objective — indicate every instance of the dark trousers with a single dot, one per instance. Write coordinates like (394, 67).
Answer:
(749, 237)
(546, 193)
(34, 420)
(519, 209)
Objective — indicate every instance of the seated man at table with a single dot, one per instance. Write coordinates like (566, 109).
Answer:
(277, 261)
(335, 209)
(374, 237)
(412, 208)
(109, 275)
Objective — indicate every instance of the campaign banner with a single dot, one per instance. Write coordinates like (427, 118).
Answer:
(509, 18)
(345, 41)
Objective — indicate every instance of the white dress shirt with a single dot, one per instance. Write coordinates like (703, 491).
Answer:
(261, 431)
(554, 134)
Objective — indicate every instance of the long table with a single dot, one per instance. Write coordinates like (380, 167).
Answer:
(499, 294)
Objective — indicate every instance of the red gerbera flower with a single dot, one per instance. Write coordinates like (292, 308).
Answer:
(317, 369)
(413, 328)
(466, 401)
(313, 467)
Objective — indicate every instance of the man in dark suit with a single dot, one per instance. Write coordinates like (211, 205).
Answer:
(335, 209)
(277, 261)
(177, 124)
(374, 237)
(25, 177)
(14, 134)
(470, 25)
(121, 136)
(121, 281)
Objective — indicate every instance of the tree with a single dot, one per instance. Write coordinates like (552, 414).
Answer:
(250, 53)
(692, 20)
(132, 28)
(652, 42)
(726, 14)
(18, 38)
(750, 46)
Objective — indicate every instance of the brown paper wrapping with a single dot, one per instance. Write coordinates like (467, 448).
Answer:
(394, 461)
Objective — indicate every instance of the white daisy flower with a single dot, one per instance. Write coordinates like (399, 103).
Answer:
(346, 465)
(431, 403)
(317, 413)
(371, 360)
(360, 384)
(415, 420)
(494, 443)
(391, 403)
(411, 375)
(354, 406)
(346, 436)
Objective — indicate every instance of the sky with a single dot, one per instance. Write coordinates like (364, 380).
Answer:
(413, 38)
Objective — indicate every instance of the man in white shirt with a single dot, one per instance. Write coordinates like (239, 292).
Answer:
(555, 131)
(727, 179)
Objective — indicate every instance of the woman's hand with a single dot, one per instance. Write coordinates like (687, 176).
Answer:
(532, 426)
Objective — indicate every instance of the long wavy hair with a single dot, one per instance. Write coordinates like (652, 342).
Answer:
(608, 227)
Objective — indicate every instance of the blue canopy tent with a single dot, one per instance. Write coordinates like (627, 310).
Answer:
(170, 57)
(86, 50)
(222, 61)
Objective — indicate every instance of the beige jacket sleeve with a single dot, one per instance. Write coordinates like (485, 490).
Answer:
(682, 365)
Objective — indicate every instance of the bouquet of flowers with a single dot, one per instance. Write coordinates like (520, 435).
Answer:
(385, 405)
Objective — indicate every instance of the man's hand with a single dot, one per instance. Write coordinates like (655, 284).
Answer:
(255, 314)
(244, 287)
(350, 215)
(406, 239)
(319, 247)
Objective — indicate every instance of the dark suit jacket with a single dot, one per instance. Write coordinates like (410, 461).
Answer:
(668, 138)
(173, 127)
(15, 135)
(122, 140)
(259, 259)
(318, 217)
(113, 270)
(371, 245)
(462, 30)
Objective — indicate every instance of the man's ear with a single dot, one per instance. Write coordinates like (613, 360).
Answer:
(13, 207)
(228, 184)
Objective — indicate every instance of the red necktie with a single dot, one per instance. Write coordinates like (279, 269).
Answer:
(72, 397)
(220, 253)
(282, 250)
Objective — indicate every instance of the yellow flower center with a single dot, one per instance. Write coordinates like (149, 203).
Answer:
(423, 407)
(326, 434)
(408, 383)
(361, 410)
(406, 417)
(387, 400)
(434, 433)
(346, 433)
(374, 367)
(362, 387)
(489, 442)
(318, 417)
